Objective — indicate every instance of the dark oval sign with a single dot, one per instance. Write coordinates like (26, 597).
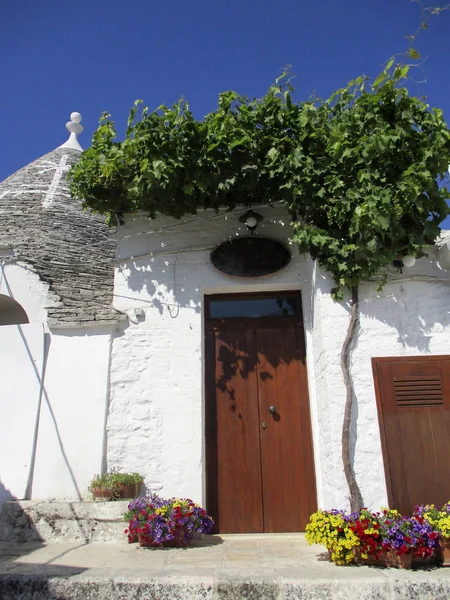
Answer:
(251, 256)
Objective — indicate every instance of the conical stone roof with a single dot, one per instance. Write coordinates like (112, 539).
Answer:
(70, 249)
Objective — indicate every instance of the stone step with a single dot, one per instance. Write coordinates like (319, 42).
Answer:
(26, 521)
(220, 567)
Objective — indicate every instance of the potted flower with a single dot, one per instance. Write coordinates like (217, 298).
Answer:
(407, 537)
(135, 508)
(366, 527)
(439, 520)
(384, 538)
(100, 487)
(125, 485)
(156, 522)
(330, 528)
(115, 485)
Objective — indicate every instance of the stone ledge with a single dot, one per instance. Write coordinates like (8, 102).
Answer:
(70, 584)
(24, 521)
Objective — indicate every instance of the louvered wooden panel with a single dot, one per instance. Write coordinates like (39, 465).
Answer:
(413, 398)
(418, 391)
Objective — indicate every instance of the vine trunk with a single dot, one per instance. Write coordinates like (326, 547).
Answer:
(356, 502)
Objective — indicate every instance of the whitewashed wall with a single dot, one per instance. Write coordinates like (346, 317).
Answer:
(156, 418)
(71, 429)
(21, 360)
(156, 425)
(411, 316)
(28, 290)
(71, 388)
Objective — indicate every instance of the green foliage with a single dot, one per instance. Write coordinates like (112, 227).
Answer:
(359, 172)
(369, 189)
(100, 481)
(114, 478)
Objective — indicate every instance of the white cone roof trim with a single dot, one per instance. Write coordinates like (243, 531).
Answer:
(74, 127)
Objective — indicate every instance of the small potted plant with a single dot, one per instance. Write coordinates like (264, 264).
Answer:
(156, 522)
(100, 487)
(125, 485)
(115, 485)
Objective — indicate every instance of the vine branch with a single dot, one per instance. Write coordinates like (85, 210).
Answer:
(356, 502)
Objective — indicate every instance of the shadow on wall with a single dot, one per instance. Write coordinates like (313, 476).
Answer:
(5, 494)
(169, 267)
(44, 395)
(413, 309)
(15, 526)
(12, 313)
(176, 282)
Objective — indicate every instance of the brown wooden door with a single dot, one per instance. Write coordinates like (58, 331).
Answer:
(260, 465)
(413, 397)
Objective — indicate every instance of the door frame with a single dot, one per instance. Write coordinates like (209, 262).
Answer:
(211, 462)
(384, 449)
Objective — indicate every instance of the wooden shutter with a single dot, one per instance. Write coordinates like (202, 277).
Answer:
(413, 399)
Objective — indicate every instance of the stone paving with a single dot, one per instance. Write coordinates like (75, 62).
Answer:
(237, 567)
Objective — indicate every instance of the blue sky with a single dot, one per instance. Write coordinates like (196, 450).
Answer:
(94, 55)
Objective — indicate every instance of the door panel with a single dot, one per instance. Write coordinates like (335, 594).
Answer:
(286, 445)
(238, 446)
(413, 396)
(260, 466)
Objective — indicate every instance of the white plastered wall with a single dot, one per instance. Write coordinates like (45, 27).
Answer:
(409, 317)
(156, 419)
(53, 392)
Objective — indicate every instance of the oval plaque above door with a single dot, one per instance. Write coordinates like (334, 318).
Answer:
(250, 256)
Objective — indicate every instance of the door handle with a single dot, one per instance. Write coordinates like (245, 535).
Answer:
(273, 410)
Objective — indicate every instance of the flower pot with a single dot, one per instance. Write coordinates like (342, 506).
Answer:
(127, 491)
(399, 561)
(101, 494)
(146, 541)
(373, 560)
(442, 554)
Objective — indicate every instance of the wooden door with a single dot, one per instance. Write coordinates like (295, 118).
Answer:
(413, 397)
(260, 466)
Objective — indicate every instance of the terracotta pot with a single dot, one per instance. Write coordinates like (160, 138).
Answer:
(442, 554)
(384, 559)
(402, 561)
(146, 541)
(101, 494)
(178, 541)
(373, 560)
(423, 563)
(128, 491)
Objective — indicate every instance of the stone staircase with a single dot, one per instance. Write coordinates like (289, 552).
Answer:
(28, 521)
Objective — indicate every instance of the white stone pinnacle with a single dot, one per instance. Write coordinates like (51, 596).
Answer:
(74, 127)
